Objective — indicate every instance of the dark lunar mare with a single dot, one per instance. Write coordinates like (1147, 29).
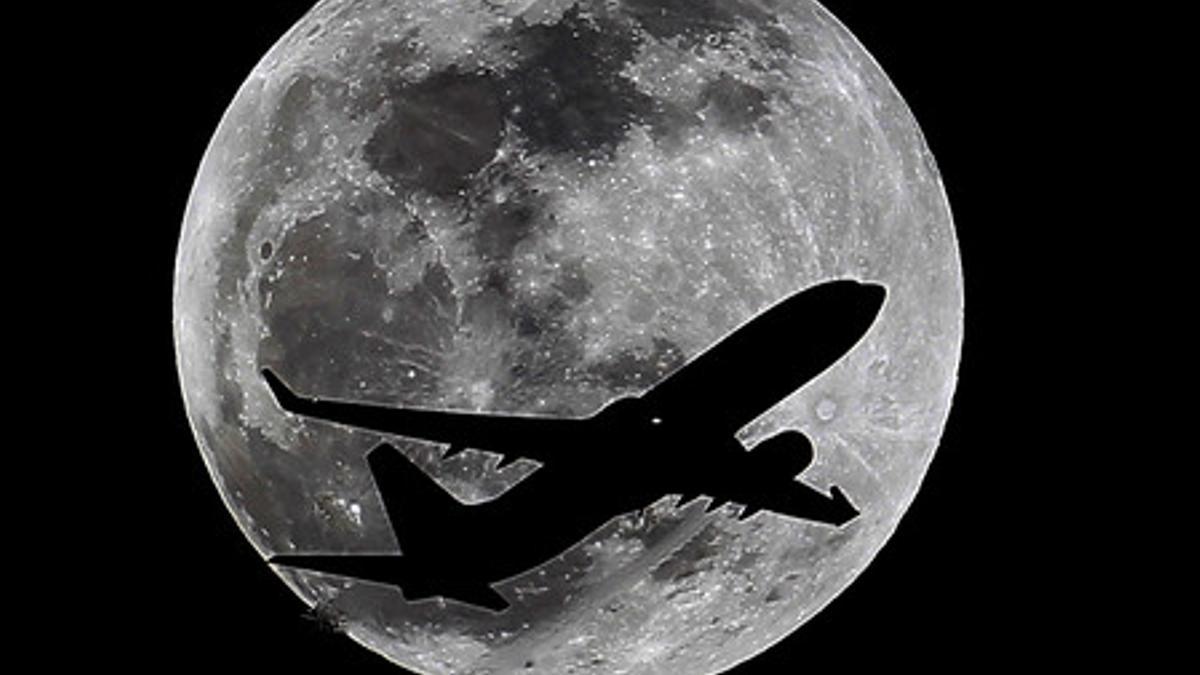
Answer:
(678, 438)
(739, 107)
(311, 320)
(438, 133)
(567, 94)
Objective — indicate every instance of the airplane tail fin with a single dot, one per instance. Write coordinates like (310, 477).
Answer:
(284, 396)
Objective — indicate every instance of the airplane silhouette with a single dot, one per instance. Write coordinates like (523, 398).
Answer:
(677, 438)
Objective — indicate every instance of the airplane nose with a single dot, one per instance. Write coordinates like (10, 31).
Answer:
(873, 295)
(862, 299)
(868, 294)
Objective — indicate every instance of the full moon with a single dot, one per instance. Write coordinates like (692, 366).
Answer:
(538, 207)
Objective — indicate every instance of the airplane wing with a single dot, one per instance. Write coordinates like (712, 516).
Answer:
(511, 435)
(765, 360)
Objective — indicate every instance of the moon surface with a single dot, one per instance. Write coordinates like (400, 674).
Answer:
(538, 207)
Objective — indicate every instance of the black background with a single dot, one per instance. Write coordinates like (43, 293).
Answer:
(961, 583)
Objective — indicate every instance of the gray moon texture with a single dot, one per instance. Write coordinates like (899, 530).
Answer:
(537, 207)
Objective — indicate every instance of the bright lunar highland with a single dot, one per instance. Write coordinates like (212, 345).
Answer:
(536, 207)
